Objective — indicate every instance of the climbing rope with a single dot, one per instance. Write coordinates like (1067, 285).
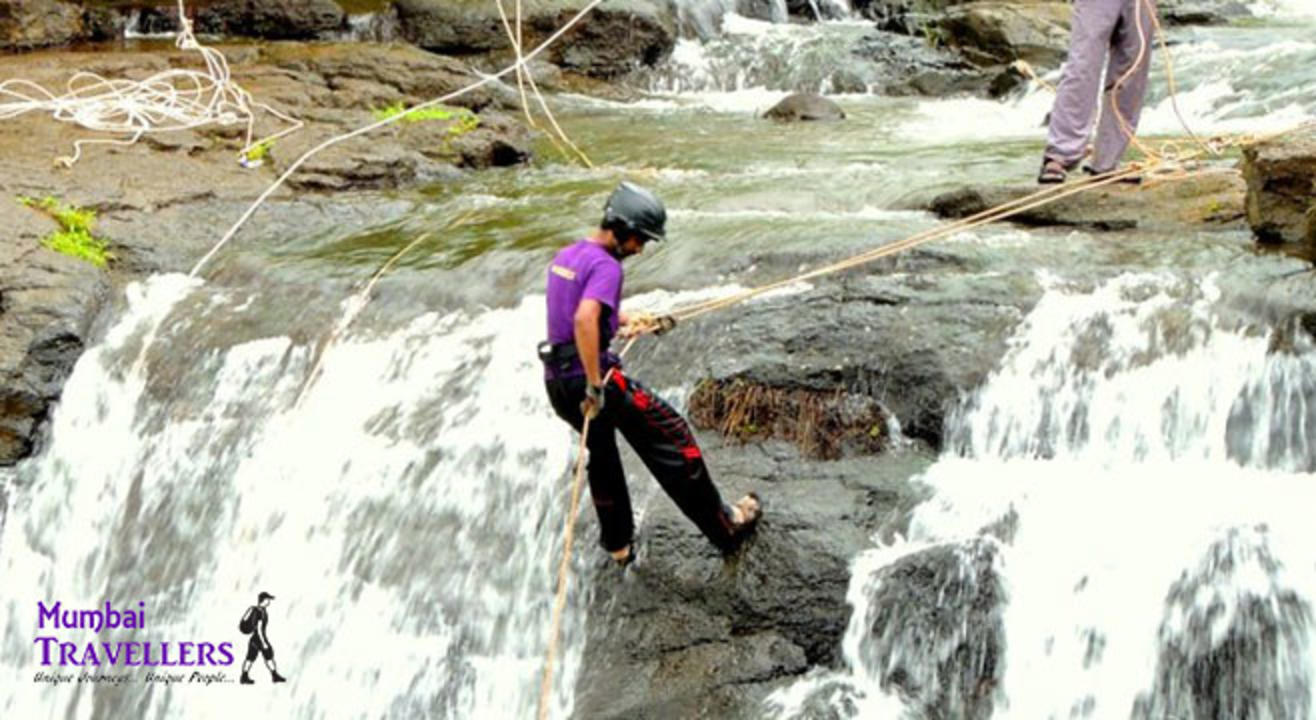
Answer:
(559, 136)
(563, 571)
(1167, 166)
(167, 101)
(297, 164)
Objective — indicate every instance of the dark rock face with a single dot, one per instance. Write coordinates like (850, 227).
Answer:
(47, 305)
(992, 33)
(937, 629)
(833, 341)
(814, 10)
(273, 19)
(685, 633)
(805, 106)
(1281, 188)
(1201, 12)
(701, 19)
(909, 17)
(769, 10)
(1255, 667)
(913, 67)
(617, 37)
(947, 47)
(31, 24)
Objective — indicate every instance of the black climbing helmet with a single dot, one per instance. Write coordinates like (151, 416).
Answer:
(635, 210)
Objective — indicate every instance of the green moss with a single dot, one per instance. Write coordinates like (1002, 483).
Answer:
(260, 151)
(74, 238)
(463, 120)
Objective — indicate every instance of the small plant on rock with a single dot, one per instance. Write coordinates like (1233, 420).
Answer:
(461, 121)
(74, 237)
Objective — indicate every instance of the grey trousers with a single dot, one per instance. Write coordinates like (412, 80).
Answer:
(1101, 26)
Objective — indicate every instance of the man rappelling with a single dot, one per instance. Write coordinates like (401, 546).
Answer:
(584, 379)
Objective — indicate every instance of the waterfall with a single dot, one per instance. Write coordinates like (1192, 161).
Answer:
(406, 516)
(1120, 527)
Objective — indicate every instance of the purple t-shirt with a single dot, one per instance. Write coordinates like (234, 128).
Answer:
(583, 271)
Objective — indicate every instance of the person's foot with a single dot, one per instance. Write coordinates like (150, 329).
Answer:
(277, 677)
(745, 514)
(246, 680)
(624, 556)
(1131, 179)
(1053, 172)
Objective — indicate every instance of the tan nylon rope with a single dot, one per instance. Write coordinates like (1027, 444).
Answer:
(1157, 163)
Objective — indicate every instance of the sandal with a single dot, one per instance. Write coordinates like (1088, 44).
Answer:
(1052, 172)
(1127, 179)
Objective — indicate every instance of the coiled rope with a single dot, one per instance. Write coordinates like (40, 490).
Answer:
(170, 100)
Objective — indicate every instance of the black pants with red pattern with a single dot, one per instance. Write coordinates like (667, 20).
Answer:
(662, 439)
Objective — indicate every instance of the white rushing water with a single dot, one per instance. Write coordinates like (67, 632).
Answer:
(1121, 528)
(407, 517)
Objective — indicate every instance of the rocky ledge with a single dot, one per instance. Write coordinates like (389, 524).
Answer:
(1281, 188)
(1213, 199)
(162, 202)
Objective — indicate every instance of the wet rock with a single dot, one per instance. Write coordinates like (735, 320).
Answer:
(1201, 12)
(617, 37)
(100, 24)
(823, 425)
(48, 302)
(272, 19)
(910, 66)
(908, 17)
(700, 19)
(816, 9)
(31, 24)
(497, 142)
(1234, 638)
(1281, 188)
(937, 632)
(773, 11)
(166, 200)
(998, 33)
(803, 107)
(912, 348)
(685, 633)
(1213, 200)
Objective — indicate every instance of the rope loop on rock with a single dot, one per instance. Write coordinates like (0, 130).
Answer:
(166, 101)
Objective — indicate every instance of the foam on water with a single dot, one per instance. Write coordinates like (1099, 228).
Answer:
(1140, 473)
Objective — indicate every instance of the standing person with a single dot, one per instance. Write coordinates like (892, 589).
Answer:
(255, 621)
(584, 379)
(1100, 27)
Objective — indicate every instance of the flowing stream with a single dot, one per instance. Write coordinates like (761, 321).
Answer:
(1144, 460)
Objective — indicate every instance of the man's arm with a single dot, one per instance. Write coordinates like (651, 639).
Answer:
(587, 339)
(260, 630)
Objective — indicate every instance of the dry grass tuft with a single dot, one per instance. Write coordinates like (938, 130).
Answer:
(823, 424)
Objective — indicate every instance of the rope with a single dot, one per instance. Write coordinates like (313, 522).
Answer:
(355, 305)
(297, 164)
(559, 136)
(164, 102)
(563, 574)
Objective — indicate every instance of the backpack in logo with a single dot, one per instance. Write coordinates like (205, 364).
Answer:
(247, 625)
